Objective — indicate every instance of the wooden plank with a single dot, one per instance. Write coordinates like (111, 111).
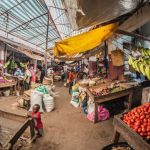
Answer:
(134, 140)
(113, 96)
(137, 20)
(17, 135)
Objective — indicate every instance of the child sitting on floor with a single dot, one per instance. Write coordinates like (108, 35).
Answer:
(36, 115)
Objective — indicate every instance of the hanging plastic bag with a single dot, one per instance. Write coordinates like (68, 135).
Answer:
(75, 99)
(103, 114)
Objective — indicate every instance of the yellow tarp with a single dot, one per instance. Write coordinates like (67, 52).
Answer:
(85, 41)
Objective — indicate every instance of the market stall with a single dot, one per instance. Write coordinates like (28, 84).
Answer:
(105, 93)
(134, 127)
(6, 84)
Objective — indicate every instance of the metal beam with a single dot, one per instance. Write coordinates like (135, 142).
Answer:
(30, 28)
(133, 35)
(27, 22)
(53, 22)
(46, 45)
(39, 35)
(12, 7)
(58, 8)
(48, 41)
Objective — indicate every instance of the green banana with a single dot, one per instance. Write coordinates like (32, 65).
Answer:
(142, 69)
(130, 61)
(147, 71)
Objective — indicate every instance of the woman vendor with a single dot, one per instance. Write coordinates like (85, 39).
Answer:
(71, 78)
(27, 77)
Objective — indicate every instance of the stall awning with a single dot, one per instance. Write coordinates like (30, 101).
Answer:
(85, 41)
(85, 13)
(27, 52)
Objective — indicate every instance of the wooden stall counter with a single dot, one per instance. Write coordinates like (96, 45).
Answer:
(132, 138)
(127, 91)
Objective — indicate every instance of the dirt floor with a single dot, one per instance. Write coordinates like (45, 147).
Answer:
(66, 128)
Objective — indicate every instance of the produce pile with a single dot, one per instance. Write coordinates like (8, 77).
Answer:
(139, 120)
(104, 90)
(13, 65)
(140, 61)
(4, 80)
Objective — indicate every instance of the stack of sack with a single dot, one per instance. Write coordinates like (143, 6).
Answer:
(44, 96)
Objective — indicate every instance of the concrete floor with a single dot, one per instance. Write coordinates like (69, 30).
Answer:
(66, 128)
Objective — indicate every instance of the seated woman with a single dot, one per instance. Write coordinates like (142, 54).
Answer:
(18, 72)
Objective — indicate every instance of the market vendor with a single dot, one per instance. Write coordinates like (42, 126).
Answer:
(1, 72)
(27, 77)
(43, 73)
(71, 78)
(18, 72)
(33, 77)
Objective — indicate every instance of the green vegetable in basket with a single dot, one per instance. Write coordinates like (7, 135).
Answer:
(6, 64)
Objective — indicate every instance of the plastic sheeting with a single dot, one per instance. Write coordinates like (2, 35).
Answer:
(85, 41)
(84, 13)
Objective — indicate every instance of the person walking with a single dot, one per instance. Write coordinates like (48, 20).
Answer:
(26, 81)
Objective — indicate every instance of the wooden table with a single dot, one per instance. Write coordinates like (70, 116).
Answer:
(132, 138)
(17, 79)
(109, 97)
(9, 84)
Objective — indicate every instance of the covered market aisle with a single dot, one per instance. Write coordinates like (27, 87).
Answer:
(66, 128)
(75, 75)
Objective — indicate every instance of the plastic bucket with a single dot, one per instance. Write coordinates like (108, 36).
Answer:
(120, 144)
(6, 93)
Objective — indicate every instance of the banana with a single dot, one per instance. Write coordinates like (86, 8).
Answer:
(147, 71)
(148, 52)
(130, 61)
(142, 69)
(137, 66)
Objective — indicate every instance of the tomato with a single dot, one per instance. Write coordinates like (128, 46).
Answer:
(148, 129)
(141, 133)
(139, 130)
(143, 129)
(148, 133)
(139, 120)
(142, 117)
(137, 123)
(148, 137)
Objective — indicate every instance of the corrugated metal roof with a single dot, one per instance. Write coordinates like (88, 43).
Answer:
(27, 20)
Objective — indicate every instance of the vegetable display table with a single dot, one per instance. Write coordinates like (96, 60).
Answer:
(9, 84)
(109, 97)
(133, 139)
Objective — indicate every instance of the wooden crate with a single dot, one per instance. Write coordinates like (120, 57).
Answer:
(132, 138)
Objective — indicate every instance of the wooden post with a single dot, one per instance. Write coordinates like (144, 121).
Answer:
(32, 131)
(116, 136)
(106, 59)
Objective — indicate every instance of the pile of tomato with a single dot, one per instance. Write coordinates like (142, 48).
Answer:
(139, 120)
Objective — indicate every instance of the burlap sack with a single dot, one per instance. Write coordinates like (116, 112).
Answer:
(117, 57)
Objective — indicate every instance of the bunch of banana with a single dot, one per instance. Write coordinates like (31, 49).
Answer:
(13, 64)
(141, 65)
(22, 65)
(145, 52)
(6, 64)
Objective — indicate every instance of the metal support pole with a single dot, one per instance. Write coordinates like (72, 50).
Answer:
(106, 59)
(46, 47)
